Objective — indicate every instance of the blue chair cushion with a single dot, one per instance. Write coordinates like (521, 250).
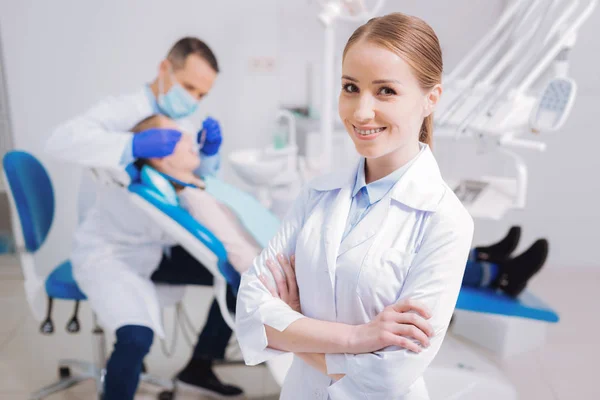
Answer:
(489, 301)
(181, 216)
(60, 284)
(158, 191)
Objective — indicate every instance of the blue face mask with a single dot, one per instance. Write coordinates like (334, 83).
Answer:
(177, 102)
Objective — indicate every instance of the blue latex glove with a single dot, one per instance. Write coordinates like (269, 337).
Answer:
(210, 137)
(155, 143)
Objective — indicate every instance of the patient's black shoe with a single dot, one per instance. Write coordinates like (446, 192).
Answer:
(502, 250)
(198, 377)
(515, 273)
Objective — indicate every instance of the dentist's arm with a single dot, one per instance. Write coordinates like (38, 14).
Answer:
(100, 137)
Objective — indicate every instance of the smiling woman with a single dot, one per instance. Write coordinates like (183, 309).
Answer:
(379, 250)
(391, 82)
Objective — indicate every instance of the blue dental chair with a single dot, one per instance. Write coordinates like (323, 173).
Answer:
(32, 202)
(155, 195)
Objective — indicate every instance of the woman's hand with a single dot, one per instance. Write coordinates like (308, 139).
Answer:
(394, 326)
(287, 288)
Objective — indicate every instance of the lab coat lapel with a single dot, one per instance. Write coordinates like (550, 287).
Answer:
(335, 223)
(340, 183)
(421, 188)
(368, 226)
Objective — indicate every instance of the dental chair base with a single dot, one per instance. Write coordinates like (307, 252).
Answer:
(459, 372)
(504, 325)
(502, 335)
(91, 371)
(88, 371)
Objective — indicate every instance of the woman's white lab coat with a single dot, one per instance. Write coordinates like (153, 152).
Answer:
(116, 246)
(413, 244)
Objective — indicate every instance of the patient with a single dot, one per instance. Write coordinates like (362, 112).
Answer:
(219, 219)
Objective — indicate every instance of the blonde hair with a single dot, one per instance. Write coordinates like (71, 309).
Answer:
(415, 41)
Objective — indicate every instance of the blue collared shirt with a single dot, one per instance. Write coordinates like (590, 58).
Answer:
(364, 195)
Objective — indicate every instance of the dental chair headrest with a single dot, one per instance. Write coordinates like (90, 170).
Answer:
(150, 178)
(134, 172)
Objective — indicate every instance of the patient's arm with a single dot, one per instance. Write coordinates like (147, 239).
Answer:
(222, 222)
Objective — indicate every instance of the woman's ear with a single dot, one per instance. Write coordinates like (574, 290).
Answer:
(431, 99)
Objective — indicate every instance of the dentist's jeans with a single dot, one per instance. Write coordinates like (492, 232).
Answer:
(133, 342)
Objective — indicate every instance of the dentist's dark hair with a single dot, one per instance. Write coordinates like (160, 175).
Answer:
(187, 46)
(415, 41)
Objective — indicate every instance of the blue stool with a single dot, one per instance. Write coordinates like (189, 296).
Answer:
(32, 200)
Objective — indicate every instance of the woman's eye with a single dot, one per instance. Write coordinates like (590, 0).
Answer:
(386, 91)
(350, 88)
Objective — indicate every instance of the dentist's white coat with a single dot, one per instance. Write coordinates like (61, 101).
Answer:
(413, 244)
(116, 246)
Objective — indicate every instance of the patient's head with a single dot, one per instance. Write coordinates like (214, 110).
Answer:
(185, 158)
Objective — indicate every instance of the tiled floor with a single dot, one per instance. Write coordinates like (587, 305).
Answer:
(564, 369)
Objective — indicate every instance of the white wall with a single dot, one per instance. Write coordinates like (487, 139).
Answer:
(62, 56)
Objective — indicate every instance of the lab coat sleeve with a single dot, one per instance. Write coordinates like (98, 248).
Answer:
(256, 306)
(434, 279)
(100, 137)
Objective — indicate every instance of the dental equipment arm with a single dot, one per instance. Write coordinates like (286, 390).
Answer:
(564, 38)
(485, 42)
(513, 52)
(524, 75)
(568, 12)
(505, 85)
(491, 47)
(470, 84)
